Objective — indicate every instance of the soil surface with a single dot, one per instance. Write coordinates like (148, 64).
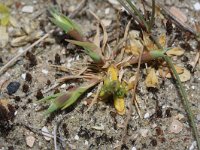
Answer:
(100, 127)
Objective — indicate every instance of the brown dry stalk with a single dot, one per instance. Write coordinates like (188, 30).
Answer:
(131, 103)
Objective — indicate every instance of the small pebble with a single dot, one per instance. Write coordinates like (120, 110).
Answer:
(76, 137)
(106, 22)
(63, 86)
(13, 87)
(107, 10)
(23, 76)
(30, 140)
(192, 147)
(27, 9)
(114, 2)
(89, 94)
(146, 116)
(45, 71)
(86, 142)
(20, 50)
(198, 117)
(197, 6)
(133, 148)
(175, 127)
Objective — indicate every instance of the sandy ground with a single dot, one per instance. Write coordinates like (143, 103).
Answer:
(100, 127)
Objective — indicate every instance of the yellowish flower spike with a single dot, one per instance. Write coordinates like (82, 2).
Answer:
(119, 104)
(113, 87)
(113, 73)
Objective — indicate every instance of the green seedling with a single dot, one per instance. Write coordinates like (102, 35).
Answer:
(64, 100)
(63, 21)
(74, 31)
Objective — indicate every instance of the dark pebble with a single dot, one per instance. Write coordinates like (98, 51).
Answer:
(57, 59)
(13, 87)
(48, 82)
(32, 59)
(28, 77)
(185, 59)
(1, 62)
(17, 99)
(154, 142)
(39, 95)
(25, 88)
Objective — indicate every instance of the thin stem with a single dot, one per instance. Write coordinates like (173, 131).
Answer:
(131, 12)
(152, 15)
(184, 100)
(138, 14)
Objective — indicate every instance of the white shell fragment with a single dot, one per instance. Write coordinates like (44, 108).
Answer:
(45, 133)
(27, 9)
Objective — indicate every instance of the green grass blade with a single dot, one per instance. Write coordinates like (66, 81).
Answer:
(63, 22)
(90, 49)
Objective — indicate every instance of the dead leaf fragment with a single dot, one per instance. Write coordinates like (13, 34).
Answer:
(176, 126)
(148, 43)
(131, 82)
(176, 51)
(151, 79)
(178, 14)
(179, 70)
(185, 76)
(195, 61)
(162, 39)
(135, 46)
(4, 36)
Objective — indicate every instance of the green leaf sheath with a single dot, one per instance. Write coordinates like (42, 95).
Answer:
(90, 49)
(63, 22)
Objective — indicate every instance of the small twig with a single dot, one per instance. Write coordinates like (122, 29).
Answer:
(77, 77)
(105, 34)
(96, 96)
(38, 131)
(15, 59)
(78, 9)
(116, 49)
(131, 102)
(55, 137)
